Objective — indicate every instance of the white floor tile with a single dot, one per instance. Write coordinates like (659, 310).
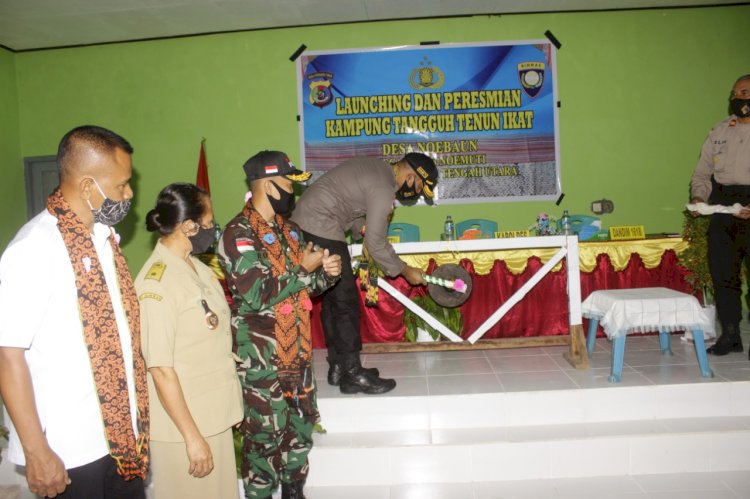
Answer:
(373, 492)
(433, 491)
(463, 383)
(472, 365)
(595, 487)
(521, 489)
(534, 381)
(527, 363)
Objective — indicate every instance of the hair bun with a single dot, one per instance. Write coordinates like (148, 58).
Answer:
(152, 221)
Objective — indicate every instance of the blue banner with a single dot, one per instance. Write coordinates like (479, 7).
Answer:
(486, 113)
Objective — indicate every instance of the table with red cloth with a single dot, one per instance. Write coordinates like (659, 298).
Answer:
(498, 274)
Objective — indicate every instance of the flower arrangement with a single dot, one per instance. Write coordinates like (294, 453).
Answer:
(546, 225)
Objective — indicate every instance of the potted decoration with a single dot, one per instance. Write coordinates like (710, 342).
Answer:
(695, 257)
(450, 317)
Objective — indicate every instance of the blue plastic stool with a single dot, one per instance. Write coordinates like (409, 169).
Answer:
(665, 344)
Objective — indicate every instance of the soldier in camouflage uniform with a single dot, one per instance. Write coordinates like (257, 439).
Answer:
(271, 274)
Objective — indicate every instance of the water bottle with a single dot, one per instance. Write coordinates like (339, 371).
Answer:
(449, 230)
(565, 223)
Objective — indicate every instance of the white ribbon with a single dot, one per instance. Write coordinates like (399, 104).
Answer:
(710, 209)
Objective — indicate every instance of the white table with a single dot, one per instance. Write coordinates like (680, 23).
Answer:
(626, 311)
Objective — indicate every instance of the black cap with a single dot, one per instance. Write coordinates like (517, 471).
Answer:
(273, 164)
(425, 167)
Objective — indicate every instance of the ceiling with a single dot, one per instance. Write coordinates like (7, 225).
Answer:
(38, 24)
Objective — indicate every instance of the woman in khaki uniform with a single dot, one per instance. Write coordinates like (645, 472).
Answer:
(186, 339)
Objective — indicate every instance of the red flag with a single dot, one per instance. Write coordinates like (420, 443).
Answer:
(201, 180)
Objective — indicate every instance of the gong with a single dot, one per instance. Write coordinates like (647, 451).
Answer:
(447, 297)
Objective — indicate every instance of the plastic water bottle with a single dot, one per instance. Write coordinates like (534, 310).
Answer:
(449, 230)
(565, 222)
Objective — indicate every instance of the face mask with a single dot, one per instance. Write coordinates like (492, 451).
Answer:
(285, 204)
(110, 212)
(406, 192)
(202, 240)
(740, 107)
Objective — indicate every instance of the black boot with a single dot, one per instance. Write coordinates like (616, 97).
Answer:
(360, 380)
(293, 490)
(336, 371)
(729, 341)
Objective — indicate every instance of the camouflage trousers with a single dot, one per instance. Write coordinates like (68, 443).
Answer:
(276, 439)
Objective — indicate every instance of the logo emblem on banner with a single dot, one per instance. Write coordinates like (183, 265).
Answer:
(320, 89)
(426, 76)
(531, 75)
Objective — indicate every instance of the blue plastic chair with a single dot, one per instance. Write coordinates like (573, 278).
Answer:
(487, 227)
(407, 233)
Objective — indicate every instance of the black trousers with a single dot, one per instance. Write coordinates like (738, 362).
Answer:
(728, 247)
(340, 315)
(99, 480)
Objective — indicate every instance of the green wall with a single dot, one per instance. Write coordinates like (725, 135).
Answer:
(12, 197)
(639, 92)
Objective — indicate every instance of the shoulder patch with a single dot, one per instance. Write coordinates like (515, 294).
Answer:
(244, 244)
(156, 271)
(153, 296)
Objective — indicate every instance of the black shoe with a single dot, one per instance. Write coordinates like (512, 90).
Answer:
(335, 372)
(726, 343)
(292, 490)
(361, 380)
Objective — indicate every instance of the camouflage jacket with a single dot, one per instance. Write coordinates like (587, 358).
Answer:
(255, 290)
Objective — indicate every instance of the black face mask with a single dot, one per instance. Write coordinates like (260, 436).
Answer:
(406, 192)
(110, 212)
(740, 107)
(285, 204)
(202, 240)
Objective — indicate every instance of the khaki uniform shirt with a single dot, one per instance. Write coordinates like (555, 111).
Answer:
(358, 192)
(725, 155)
(174, 334)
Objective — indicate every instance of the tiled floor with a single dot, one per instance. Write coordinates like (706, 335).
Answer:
(717, 485)
(544, 368)
(541, 368)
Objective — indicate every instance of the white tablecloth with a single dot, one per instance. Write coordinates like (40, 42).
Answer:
(638, 310)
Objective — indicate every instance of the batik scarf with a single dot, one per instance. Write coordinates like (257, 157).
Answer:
(103, 340)
(292, 328)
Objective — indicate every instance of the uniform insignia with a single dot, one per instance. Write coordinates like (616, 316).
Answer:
(156, 271)
(244, 245)
(294, 235)
(153, 296)
(269, 238)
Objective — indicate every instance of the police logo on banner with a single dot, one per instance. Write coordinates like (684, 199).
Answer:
(426, 77)
(320, 89)
(531, 75)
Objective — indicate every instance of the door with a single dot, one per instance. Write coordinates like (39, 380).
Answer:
(41, 179)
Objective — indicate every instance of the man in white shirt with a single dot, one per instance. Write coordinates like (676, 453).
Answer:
(72, 376)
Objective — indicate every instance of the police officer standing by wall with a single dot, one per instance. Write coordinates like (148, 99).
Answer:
(722, 177)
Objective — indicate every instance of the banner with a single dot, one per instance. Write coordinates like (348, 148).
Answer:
(486, 113)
